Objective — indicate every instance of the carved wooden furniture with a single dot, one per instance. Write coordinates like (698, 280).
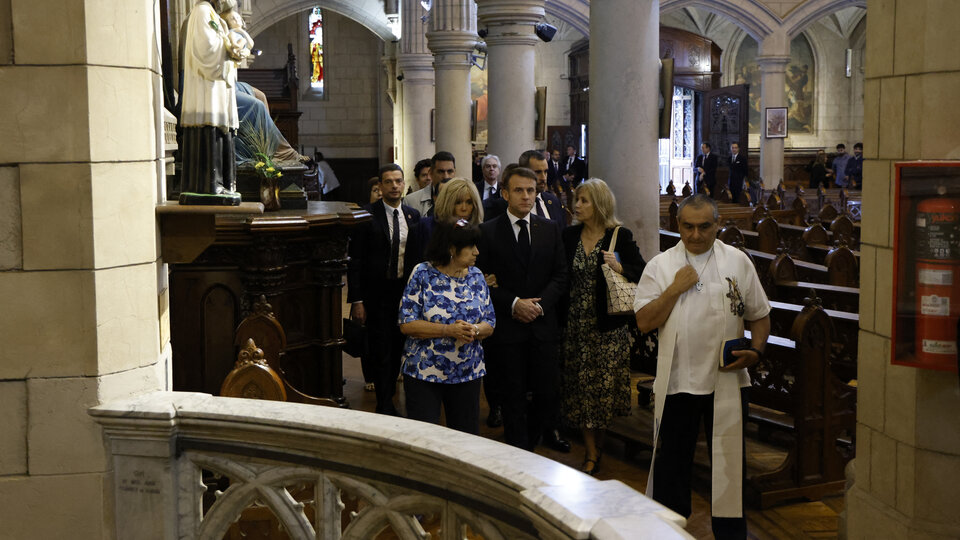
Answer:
(252, 377)
(297, 261)
(799, 393)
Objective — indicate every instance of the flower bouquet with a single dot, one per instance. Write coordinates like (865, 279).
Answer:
(269, 182)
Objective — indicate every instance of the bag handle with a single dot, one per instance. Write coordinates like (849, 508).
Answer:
(613, 239)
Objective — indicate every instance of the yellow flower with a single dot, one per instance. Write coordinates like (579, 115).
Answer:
(270, 169)
(279, 174)
(259, 164)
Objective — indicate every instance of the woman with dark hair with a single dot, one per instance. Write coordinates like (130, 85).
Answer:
(445, 312)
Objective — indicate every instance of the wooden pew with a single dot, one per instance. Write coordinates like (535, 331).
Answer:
(794, 390)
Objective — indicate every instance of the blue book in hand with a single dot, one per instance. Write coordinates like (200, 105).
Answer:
(738, 344)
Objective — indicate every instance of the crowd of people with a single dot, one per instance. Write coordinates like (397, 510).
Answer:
(466, 284)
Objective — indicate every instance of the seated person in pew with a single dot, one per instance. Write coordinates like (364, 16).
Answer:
(699, 294)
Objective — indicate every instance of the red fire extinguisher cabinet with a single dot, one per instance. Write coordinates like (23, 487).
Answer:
(926, 270)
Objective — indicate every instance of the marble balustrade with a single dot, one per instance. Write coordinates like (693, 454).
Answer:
(304, 460)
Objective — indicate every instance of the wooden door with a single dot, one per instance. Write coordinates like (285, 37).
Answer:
(725, 122)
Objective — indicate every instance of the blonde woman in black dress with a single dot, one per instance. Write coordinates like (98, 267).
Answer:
(596, 346)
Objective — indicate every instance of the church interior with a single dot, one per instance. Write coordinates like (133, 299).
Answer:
(127, 315)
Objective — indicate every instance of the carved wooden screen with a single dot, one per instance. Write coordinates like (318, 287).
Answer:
(725, 122)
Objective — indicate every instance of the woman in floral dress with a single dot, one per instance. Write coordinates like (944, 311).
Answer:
(596, 346)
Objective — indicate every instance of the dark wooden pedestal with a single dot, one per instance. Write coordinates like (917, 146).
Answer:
(297, 260)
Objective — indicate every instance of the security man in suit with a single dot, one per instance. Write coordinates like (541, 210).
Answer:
(738, 171)
(523, 255)
(706, 166)
(383, 251)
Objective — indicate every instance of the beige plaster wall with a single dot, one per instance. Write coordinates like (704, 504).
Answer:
(343, 123)
(908, 434)
(82, 319)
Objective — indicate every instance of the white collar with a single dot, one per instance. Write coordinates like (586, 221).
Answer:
(514, 218)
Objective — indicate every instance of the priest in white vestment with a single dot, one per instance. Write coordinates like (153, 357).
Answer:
(699, 294)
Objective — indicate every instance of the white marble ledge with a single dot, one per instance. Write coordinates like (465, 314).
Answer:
(512, 467)
(610, 506)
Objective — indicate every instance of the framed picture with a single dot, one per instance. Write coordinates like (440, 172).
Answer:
(540, 102)
(775, 120)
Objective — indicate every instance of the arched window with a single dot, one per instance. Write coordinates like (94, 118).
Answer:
(315, 37)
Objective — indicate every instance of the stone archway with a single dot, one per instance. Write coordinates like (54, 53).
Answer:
(813, 10)
(755, 18)
(368, 13)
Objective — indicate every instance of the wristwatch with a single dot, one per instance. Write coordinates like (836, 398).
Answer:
(758, 351)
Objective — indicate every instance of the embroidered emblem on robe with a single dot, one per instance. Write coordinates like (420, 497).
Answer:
(736, 299)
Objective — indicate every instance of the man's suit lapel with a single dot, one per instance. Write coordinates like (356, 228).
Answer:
(380, 217)
(537, 243)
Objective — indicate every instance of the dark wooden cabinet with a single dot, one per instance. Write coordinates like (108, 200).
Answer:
(297, 260)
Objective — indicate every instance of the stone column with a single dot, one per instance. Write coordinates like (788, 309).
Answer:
(84, 316)
(907, 468)
(624, 90)
(510, 73)
(772, 60)
(452, 38)
(415, 64)
(772, 94)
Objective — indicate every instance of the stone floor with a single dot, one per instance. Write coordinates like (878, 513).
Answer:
(798, 520)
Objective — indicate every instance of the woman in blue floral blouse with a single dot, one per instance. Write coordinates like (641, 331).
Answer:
(445, 312)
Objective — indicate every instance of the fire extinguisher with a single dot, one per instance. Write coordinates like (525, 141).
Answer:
(938, 282)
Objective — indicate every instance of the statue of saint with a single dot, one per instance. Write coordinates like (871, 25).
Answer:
(209, 104)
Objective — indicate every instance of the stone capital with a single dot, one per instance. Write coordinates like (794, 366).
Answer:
(773, 64)
(452, 49)
(509, 12)
(411, 64)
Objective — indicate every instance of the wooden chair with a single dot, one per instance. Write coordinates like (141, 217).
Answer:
(263, 329)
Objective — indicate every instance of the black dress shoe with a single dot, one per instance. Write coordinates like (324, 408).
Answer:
(495, 418)
(553, 439)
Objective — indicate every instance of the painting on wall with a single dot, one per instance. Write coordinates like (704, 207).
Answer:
(800, 84)
(478, 94)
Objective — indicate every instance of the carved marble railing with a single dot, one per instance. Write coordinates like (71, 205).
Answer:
(191, 465)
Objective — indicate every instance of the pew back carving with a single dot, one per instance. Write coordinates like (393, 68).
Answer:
(842, 266)
(252, 377)
(262, 328)
(769, 234)
(801, 382)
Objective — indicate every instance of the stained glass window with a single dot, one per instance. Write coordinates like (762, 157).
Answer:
(315, 35)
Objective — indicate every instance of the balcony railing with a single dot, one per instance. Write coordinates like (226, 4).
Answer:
(197, 466)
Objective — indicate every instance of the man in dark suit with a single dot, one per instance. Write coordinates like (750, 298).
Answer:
(383, 251)
(523, 254)
(706, 170)
(489, 186)
(547, 204)
(738, 171)
(573, 164)
(554, 176)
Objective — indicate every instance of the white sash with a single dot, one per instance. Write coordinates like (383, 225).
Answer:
(727, 441)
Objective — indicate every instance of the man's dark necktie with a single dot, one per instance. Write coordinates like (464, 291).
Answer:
(541, 210)
(493, 191)
(523, 240)
(394, 268)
